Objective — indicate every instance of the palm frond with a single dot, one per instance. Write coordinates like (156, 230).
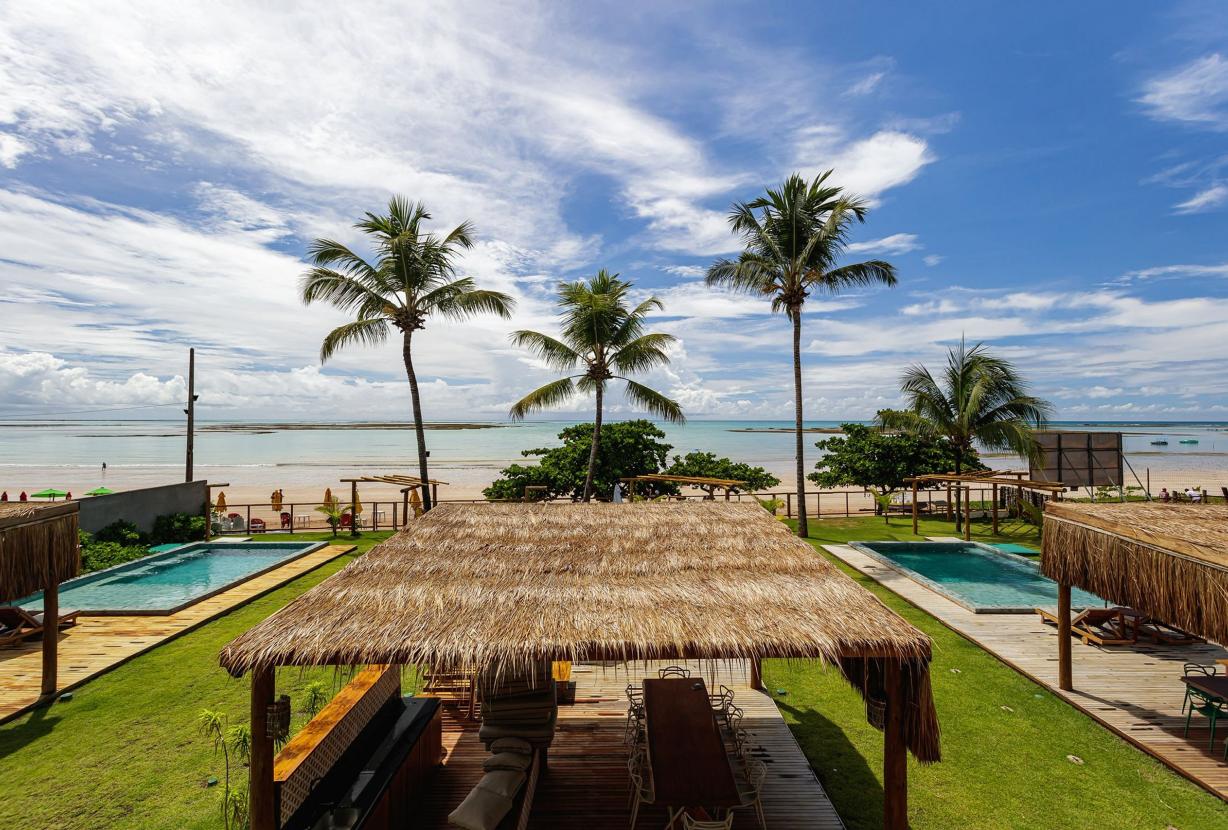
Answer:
(554, 353)
(544, 397)
(655, 402)
(369, 332)
(645, 352)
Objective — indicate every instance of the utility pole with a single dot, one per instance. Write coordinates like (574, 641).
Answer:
(190, 412)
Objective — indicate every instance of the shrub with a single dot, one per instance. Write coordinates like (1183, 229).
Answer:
(98, 555)
(122, 532)
(178, 527)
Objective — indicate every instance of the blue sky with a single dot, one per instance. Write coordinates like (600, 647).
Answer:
(1049, 178)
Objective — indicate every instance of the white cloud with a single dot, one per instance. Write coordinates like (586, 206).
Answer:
(867, 84)
(688, 271)
(12, 148)
(1196, 93)
(866, 167)
(932, 259)
(1179, 271)
(1208, 199)
(896, 243)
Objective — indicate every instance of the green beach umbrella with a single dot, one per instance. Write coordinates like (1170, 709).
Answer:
(49, 493)
(100, 491)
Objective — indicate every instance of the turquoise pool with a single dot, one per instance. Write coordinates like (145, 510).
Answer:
(978, 577)
(163, 583)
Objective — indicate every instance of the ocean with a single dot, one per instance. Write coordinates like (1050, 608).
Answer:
(263, 456)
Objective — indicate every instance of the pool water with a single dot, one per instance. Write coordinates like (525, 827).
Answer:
(978, 577)
(165, 582)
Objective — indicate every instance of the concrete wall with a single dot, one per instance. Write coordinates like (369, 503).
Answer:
(141, 507)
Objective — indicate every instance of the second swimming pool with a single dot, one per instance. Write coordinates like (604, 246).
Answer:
(978, 577)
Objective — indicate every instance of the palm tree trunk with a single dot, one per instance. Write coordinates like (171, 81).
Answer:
(592, 453)
(406, 353)
(803, 529)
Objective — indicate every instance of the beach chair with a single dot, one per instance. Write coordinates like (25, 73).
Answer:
(1102, 626)
(285, 521)
(17, 624)
(257, 526)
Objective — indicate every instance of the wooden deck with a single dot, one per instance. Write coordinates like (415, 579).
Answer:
(1135, 691)
(98, 644)
(586, 785)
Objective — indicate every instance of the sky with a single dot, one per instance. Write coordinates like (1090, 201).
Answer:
(1048, 178)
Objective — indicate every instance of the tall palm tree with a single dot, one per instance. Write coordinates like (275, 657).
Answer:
(978, 398)
(793, 237)
(410, 280)
(603, 338)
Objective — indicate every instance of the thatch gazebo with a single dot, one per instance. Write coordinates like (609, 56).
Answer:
(39, 549)
(1169, 561)
(505, 587)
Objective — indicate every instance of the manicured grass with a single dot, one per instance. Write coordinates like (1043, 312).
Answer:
(124, 752)
(1005, 740)
(840, 531)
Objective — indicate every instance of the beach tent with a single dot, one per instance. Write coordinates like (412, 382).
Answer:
(49, 493)
(100, 491)
(505, 588)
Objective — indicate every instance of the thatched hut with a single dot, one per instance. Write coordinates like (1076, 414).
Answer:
(1170, 561)
(39, 550)
(503, 587)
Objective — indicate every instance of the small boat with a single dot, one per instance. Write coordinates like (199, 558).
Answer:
(1189, 441)
(1159, 443)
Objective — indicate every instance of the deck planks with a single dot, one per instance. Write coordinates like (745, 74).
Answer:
(1135, 691)
(586, 784)
(98, 644)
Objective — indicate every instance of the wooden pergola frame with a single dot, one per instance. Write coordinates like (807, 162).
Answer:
(725, 484)
(407, 483)
(994, 478)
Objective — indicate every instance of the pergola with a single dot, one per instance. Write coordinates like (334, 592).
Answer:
(1169, 561)
(406, 483)
(504, 587)
(725, 484)
(39, 549)
(994, 478)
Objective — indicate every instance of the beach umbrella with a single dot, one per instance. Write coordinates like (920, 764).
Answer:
(415, 502)
(23, 496)
(4, 496)
(357, 506)
(100, 491)
(328, 496)
(220, 505)
(49, 493)
(277, 500)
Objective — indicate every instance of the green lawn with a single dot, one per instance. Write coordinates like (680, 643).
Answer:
(1005, 740)
(124, 751)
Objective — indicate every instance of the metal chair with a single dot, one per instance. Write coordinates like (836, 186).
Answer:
(722, 701)
(691, 823)
(673, 671)
(751, 794)
(1211, 708)
(732, 733)
(641, 789)
(1196, 668)
(634, 727)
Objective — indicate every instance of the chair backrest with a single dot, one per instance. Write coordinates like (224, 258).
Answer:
(756, 771)
(635, 693)
(674, 671)
(1198, 668)
(691, 823)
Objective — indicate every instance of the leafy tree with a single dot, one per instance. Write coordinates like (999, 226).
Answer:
(332, 514)
(880, 461)
(978, 398)
(707, 465)
(793, 238)
(411, 280)
(628, 448)
(603, 338)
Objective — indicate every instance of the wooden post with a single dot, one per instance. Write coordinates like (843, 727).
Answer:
(405, 505)
(914, 508)
(434, 494)
(354, 501)
(260, 789)
(394, 515)
(756, 673)
(968, 514)
(895, 751)
(1064, 678)
(950, 516)
(191, 413)
(995, 509)
(789, 505)
(51, 630)
(291, 517)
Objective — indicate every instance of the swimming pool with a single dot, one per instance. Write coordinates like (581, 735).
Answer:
(978, 577)
(163, 583)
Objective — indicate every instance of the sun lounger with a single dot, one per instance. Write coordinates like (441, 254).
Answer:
(1102, 626)
(17, 624)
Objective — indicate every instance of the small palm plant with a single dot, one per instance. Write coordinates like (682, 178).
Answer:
(236, 741)
(603, 338)
(793, 237)
(978, 398)
(332, 514)
(411, 280)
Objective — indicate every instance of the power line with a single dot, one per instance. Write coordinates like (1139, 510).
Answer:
(86, 411)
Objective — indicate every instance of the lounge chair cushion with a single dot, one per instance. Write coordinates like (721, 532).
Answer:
(514, 761)
(504, 782)
(517, 745)
(531, 733)
(481, 810)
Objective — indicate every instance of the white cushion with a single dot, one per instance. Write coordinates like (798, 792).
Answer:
(517, 745)
(481, 810)
(504, 782)
(507, 760)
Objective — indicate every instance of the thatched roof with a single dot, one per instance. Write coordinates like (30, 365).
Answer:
(1168, 560)
(503, 586)
(38, 542)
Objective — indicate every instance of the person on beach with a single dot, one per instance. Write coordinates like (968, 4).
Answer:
(1193, 495)
(1164, 494)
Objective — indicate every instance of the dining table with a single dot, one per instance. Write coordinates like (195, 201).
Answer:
(691, 770)
(1215, 685)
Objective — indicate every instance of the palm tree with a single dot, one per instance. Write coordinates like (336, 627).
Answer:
(411, 279)
(605, 339)
(793, 237)
(979, 398)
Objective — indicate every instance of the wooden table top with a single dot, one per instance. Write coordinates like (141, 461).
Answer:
(689, 765)
(1216, 685)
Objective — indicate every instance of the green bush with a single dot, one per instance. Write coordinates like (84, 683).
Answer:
(98, 555)
(178, 527)
(122, 532)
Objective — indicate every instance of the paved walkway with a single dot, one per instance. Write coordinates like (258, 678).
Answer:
(1135, 691)
(98, 644)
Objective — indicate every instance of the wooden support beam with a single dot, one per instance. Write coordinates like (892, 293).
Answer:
(914, 508)
(895, 751)
(756, 673)
(1065, 680)
(353, 502)
(263, 811)
(995, 509)
(51, 632)
(950, 517)
(967, 514)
